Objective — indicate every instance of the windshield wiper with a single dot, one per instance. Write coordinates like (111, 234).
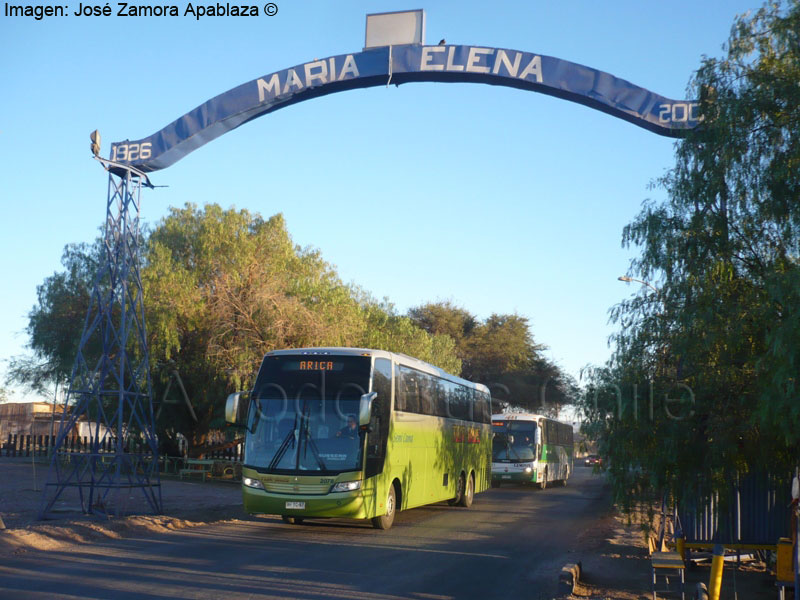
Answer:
(315, 451)
(510, 451)
(305, 426)
(284, 446)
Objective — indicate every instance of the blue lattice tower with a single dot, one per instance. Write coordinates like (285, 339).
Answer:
(110, 386)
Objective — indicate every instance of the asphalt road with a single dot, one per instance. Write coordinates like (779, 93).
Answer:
(512, 543)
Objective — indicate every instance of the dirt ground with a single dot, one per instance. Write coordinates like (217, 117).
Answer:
(613, 554)
(185, 504)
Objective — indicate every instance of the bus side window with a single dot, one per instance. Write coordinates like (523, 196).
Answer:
(468, 403)
(399, 389)
(441, 398)
(459, 402)
(427, 391)
(482, 407)
(379, 421)
(407, 390)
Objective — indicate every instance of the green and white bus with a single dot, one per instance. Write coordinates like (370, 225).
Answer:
(530, 448)
(350, 432)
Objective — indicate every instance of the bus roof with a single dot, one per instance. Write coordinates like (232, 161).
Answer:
(398, 357)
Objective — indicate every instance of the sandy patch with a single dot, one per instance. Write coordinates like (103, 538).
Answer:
(64, 534)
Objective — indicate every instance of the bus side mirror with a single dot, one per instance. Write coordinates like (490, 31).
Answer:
(236, 409)
(365, 408)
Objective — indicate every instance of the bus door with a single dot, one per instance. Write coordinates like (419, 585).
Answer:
(378, 431)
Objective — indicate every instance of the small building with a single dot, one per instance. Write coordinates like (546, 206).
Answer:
(38, 419)
(29, 418)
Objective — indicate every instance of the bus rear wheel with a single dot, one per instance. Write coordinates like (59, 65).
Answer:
(385, 520)
(469, 493)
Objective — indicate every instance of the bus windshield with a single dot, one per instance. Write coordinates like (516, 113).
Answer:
(514, 441)
(304, 415)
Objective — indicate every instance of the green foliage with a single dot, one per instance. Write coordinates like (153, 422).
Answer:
(502, 344)
(222, 288)
(55, 322)
(723, 330)
(383, 328)
(501, 353)
(225, 287)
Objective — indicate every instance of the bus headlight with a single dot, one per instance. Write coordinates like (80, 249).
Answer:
(253, 483)
(346, 486)
(528, 469)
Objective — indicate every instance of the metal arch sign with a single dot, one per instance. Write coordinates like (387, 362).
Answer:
(406, 64)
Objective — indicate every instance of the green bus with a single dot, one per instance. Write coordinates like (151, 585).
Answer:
(350, 432)
(530, 448)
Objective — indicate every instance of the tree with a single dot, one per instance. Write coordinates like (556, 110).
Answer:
(56, 321)
(501, 344)
(715, 350)
(501, 353)
(222, 288)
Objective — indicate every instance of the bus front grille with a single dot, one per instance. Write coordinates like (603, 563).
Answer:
(297, 488)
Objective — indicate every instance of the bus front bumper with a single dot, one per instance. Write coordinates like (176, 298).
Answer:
(514, 476)
(341, 504)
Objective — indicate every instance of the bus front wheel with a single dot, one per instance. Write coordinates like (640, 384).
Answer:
(385, 520)
(469, 493)
(543, 484)
(292, 520)
(460, 485)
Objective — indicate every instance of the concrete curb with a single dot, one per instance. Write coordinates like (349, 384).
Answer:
(569, 577)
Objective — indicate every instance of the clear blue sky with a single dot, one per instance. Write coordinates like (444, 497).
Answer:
(499, 200)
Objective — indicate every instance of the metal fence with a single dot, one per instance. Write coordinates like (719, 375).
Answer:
(39, 445)
(756, 511)
(26, 445)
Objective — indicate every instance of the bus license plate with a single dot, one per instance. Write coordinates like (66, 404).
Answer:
(296, 505)
(506, 476)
